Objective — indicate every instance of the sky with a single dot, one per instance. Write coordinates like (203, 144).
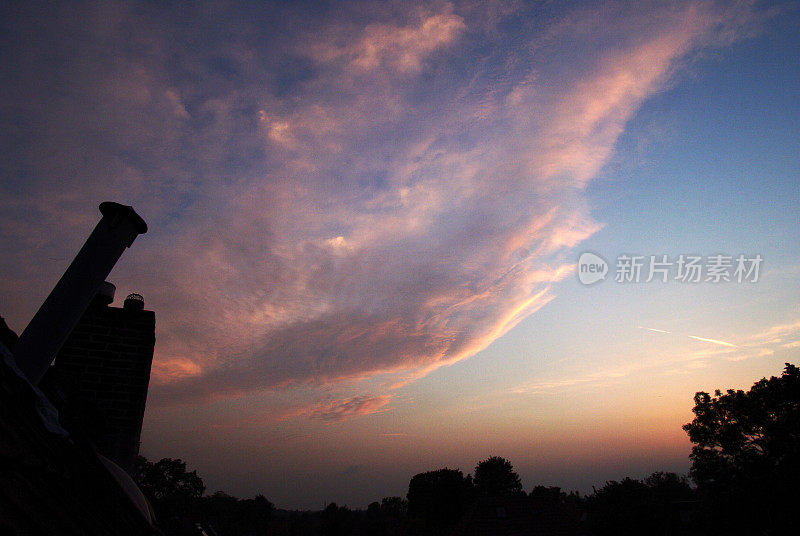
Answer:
(366, 222)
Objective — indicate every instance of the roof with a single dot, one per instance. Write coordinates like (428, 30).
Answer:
(51, 483)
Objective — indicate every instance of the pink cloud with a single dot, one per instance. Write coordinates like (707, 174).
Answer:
(345, 200)
(339, 410)
(458, 244)
(167, 370)
(400, 48)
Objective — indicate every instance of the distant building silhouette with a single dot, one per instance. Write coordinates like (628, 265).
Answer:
(101, 375)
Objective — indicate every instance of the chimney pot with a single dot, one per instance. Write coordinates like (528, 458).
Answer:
(105, 293)
(134, 302)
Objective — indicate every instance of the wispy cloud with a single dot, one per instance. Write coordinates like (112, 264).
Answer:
(401, 48)
(761, 344)
(340, 410)
(778, 333)
(168, 370)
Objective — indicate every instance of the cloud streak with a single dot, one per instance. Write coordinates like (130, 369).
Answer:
(762, 344)
(340, 410)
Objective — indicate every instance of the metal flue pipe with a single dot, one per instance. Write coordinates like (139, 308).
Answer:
(63, 308)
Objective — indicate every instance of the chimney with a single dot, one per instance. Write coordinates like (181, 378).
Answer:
(101, 375)
(63, 308)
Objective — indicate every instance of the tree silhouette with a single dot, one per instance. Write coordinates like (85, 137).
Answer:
(495, 477)
(544, 497)
(173, 491)
(167, 480)
(746, 458)
(394, 506)
(619, 508)
(385, 518)
(632, 507)
(439, 498)
(336, 520)
(230, 516)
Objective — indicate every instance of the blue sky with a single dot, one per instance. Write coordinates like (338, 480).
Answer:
(364, 223)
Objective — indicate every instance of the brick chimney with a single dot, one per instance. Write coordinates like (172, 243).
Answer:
(102, 374)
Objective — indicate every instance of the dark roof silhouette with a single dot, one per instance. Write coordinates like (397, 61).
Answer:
(50, 483)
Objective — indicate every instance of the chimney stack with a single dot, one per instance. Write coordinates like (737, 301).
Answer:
(63, 308)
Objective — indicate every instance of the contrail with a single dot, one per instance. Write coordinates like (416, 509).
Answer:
(723, 343)
(656, 330)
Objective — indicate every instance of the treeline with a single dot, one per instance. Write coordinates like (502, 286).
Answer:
(176, 496)
(444, 501)
(745, 469)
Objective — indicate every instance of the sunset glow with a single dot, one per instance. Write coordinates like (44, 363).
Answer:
(365, 221)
